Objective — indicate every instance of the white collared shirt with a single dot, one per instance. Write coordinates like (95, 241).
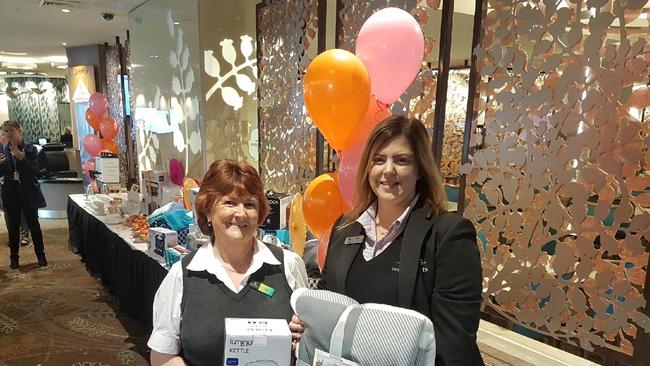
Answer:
(165, 337)
(372, 246)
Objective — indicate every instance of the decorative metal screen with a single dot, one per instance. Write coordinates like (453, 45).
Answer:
(456, 110)
(557, 181)
(419, 99)
(115, 104)
(285, 40)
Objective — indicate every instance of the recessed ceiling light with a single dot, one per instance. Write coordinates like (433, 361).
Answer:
(12, 53)
(65, 10)
(177, 23)
(64, 44)
(58, 59)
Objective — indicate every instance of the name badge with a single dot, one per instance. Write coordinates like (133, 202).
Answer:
(16, 176)
(263, 288)
(354, 239)
(322, 358)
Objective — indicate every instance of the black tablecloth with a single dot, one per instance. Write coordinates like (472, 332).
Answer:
(129, 274)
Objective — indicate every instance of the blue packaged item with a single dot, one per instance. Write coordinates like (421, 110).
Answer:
(178, 220)
(284, 236)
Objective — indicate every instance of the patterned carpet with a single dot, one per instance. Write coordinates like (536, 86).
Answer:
(60, 315)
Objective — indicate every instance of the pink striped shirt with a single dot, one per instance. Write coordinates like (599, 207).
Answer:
(372, 246)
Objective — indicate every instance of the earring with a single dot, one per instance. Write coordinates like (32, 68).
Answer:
(209, 223)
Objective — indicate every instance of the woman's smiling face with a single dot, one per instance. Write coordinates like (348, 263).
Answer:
(394, 173)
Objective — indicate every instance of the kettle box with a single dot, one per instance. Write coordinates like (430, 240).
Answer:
(257, 342)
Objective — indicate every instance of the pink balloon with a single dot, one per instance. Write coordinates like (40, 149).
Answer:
(108, 127)
(88, 166)
(391, 45)
(176, 172)
(348, 172)
(92, 144)
(98, 104)
(377, 112)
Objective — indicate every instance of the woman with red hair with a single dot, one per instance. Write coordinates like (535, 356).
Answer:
(235, 276)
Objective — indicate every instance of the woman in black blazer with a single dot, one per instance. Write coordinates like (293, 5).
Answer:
(399, 246)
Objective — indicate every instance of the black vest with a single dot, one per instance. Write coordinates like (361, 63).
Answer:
(207, 302)
(376, 280)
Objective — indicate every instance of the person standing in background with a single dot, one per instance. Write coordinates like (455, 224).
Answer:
(21, 192)
(24, 230)
(66, 138)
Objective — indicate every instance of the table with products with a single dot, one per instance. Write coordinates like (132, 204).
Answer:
(126, 268)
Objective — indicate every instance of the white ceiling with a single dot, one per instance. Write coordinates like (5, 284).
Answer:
(39, 31)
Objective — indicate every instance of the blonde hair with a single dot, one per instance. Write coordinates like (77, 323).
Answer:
(429, 184)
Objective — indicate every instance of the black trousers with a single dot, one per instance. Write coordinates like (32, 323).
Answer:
(12, 217)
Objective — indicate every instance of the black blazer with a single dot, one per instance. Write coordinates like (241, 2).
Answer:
(440, 276)
(27, 191)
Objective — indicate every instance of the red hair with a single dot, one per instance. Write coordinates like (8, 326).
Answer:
(226, 177)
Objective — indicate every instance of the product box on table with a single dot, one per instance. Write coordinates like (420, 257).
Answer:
(257, 341)
(161, 238)
(153, 182)
(277, 218)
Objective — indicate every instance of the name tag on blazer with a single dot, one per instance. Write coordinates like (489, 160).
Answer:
(354, 239)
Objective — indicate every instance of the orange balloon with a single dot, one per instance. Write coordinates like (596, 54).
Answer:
(336, 91)
(92, 119)
(377, 112)
(110, 145)
(297, 226)
(322, 203)
(323, 244)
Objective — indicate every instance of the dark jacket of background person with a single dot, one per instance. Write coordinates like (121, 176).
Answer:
(27, 191)
(447, 288)
(66, 139)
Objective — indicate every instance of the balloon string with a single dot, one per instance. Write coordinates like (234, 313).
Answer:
(383, 106)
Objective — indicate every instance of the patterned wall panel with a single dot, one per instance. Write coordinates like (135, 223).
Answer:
(419, 99)
(456, 110)
(165, 59)
(115, 102)
(287, 136)
(229, 79)
(558, 185)
(131, 138)
(37, 111)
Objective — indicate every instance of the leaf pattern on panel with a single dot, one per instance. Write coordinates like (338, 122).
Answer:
(557, 182)
(244, 82)
(184, 106)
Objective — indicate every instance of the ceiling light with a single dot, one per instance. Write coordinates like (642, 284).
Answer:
(177, 23)
(64, 44)
(3, 73)
(65, 10)
(62, 67)
(19, 67)
(19, 60)
(13, 53)
(57, 59)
